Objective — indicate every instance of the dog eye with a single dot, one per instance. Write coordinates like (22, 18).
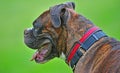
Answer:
(37, 31)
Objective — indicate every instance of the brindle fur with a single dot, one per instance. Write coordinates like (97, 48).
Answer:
(102, 57)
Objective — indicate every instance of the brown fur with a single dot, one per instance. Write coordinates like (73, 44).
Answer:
(102, 57)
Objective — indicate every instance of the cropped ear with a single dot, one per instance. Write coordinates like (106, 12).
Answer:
(59, 14)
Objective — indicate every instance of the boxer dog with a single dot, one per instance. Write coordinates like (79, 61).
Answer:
(61, 31)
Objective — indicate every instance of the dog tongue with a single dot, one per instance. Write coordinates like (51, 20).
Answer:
(39, 56)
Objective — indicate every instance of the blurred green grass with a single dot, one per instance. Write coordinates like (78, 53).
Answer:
(16, 15)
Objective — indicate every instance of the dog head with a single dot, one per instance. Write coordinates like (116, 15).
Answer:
(49, 33)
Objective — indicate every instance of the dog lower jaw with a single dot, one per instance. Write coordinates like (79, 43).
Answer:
(40, 56)
(42, 53)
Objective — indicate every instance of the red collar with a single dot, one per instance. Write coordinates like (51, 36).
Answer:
(76, 46)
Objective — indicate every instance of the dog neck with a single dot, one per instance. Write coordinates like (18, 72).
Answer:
(76, 29)
(82, 30)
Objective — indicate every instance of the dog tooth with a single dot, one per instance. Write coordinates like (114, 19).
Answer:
(34, 56)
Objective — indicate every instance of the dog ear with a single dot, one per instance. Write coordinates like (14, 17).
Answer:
(59, 14)
(55, 15)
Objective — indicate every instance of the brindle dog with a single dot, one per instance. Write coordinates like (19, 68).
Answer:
(55, 32)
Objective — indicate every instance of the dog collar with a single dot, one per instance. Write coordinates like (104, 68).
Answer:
(88, 39)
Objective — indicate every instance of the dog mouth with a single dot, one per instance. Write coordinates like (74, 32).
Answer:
(44, 50)
(44, 45)
(41, 55)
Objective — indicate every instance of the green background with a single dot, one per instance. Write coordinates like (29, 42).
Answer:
(16, 15)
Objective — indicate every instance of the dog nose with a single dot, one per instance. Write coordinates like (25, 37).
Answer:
(26, 31)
